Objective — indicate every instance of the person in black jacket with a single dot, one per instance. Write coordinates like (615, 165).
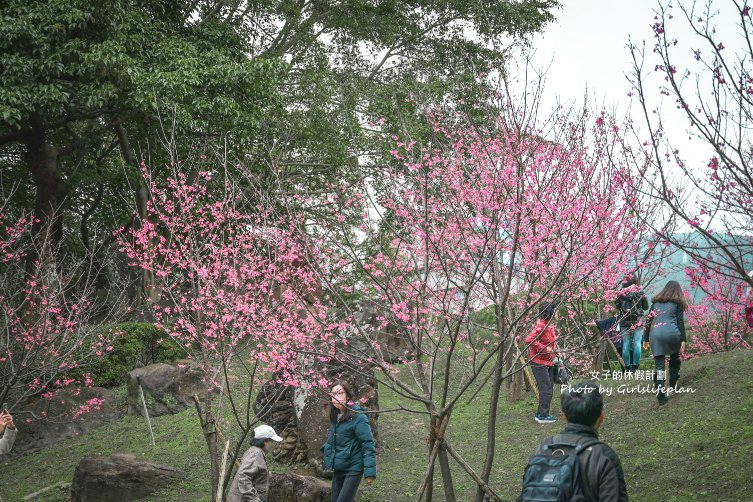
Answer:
(601, 475)
(631, 304)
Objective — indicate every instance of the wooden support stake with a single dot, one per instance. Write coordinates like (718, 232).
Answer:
(146, 413)
(61, 484)
(528, 374)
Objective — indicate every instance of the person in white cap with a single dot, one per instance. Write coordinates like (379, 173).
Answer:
(251, 482)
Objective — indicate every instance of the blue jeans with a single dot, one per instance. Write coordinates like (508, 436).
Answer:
(631, 346)
(345, 485)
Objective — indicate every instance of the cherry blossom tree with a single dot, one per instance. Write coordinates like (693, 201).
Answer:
(233, 287)
(704, 80)
(506, 218)
(49, 314)
(717, 322)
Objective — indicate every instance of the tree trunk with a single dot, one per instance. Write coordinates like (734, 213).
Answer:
(444, 466)
(491, 425)
(47, 229)
(430, 486)
(150, 291)
(210, 433)
(426, 487)
(599, 358)
(210, 436)
(515, 387)
(515, 381)
(437, 427)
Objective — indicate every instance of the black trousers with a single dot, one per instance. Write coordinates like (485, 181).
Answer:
(544, 376)
(345, 485)
(675, 363)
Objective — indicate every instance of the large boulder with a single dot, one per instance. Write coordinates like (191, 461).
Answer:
(274, 402)
(167, 388)
(312, 420)
(387, 343)
(287, 487)
(118, 478)
(69, 413)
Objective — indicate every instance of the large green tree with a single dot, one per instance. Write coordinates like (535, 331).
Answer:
(77, 76)
(87, 89)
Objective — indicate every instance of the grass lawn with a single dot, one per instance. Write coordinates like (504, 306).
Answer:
(695, 448)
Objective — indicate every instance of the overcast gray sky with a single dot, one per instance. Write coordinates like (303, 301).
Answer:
(586, 48)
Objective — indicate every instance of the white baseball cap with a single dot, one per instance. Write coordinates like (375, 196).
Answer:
(266, 432)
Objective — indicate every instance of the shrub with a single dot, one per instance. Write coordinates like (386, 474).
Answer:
(131, 345)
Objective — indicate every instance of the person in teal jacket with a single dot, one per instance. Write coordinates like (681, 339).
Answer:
(349, 450)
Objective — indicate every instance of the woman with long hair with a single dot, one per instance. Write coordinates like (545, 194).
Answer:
(666, 333)
(349, 450)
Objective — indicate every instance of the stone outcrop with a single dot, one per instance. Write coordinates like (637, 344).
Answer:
(286, 487)
(118, 478)
(69, 413)
(167, 388)
(387, 342)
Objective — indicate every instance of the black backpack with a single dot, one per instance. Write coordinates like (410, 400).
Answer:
(554, 474)
(629, 306)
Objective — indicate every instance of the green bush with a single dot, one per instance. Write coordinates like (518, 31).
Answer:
(134, 344)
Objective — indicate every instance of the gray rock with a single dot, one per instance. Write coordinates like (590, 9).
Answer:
(286, 487)
(390, 345)
(118, 478)
(58, 419)
(312, 412)
(275, 403)
(168, 389)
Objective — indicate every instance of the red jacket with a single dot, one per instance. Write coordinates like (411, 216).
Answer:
(539, 339)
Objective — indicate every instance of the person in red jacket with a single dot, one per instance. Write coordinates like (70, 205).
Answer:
(542, 342)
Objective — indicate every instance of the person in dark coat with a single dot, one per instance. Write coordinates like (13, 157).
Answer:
(601, 474)
(542, 342)
(631, 305)
(349, 450)
(666, 335)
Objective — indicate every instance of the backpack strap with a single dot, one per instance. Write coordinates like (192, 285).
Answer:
(578, 445)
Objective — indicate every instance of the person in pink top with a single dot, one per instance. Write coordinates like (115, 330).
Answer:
(542, 343)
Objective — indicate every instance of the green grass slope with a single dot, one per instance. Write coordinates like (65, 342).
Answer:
(695, 448)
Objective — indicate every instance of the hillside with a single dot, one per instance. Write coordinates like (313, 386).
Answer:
(695, 448)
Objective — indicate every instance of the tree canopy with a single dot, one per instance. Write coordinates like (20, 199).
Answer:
(286, 88)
